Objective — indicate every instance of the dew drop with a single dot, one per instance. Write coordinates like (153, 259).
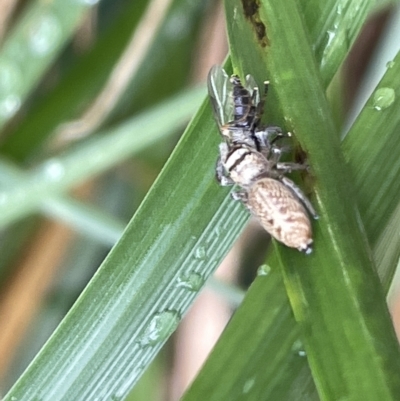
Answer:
(4, 198)
(161, 326)
(177, 25)
(9, 106)
(10, 82)
(336, 39)
(53, 169)
(390, 64)
(383, 98)
(298, 348)
(10, 77)
(125, 388)
(200, 253)
(218, 231)
(88, 2)
(339, 8)
(44, 34)
(193, 281)
(263, 270)
(330, 38)
(248, 385)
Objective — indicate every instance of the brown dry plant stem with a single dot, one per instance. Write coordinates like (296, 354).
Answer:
(125, 68)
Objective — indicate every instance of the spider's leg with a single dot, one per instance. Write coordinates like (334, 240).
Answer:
(240, 196)
(288, 167)
(220, 172)
(260, 105)
(266, 137)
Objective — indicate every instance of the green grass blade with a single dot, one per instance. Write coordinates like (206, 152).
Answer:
(185, 197)
(341, 264)
(97, 155)
(146, 283)
(371, 149)
(82, 82)
(361, 149)
(84, 218)
(32, 45)
(75, 89)
(259, 354)
(374, 129)
(333, 27)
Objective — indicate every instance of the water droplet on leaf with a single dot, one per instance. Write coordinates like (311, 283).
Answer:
(44, 34)
(298, 348)
(390, 64)
(248, 385)
(89, 2)
(9, 106)
(10, 77)
(263, 270)
(192, 281)
(53, 169)
(200, 253)
(161, 326)
(383, 98)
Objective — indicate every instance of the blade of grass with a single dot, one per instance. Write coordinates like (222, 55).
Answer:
(283, 384)
(338, 281)
(205, 138)
(146, 283)
(332, 27)
(97, 155)
(31, 46)
(85, 218)
(76, 88)
(82, 82)
(374, 129)
(255, 361)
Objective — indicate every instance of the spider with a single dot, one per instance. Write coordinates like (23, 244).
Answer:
(249, 157)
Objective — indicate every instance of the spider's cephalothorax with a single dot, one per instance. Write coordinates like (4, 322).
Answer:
(249, 157)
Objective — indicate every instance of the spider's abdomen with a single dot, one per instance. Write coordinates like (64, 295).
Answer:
(280, 213)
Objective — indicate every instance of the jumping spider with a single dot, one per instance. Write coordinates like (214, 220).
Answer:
(249, 157)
